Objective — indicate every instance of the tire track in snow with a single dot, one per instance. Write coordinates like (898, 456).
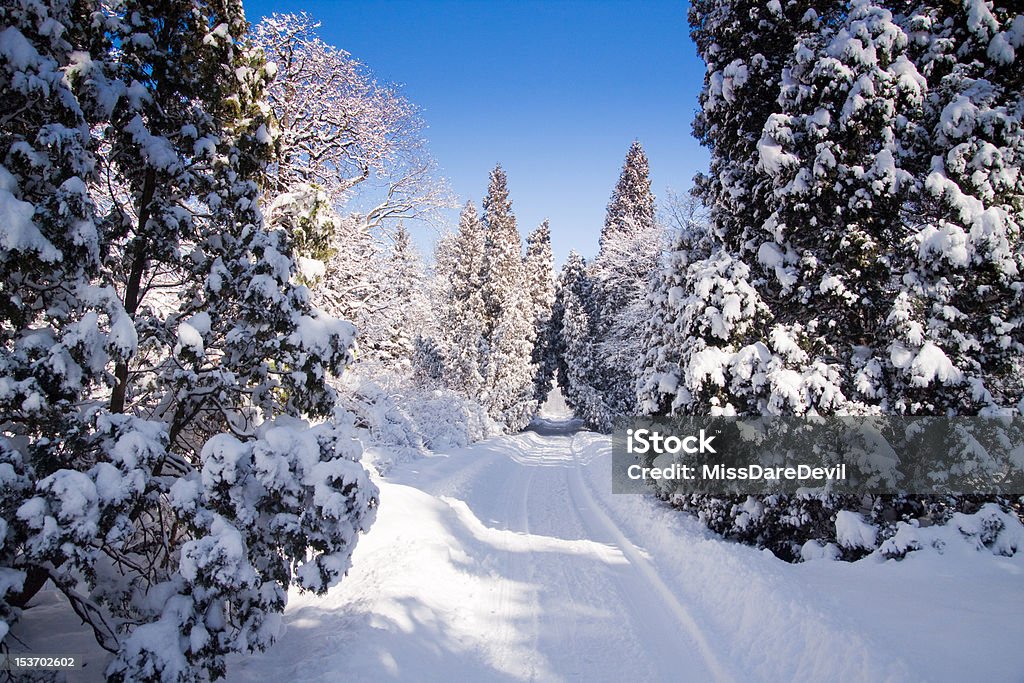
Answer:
(646, 570)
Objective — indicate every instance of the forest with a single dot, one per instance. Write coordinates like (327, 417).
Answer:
(221, 334)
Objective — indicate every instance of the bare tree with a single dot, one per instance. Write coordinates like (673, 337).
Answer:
(340, 129)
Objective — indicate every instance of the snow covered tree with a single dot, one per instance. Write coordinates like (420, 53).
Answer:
(831, 248)
(540, 280)
(745, 45)
(404, 312)
(340, 129)
(177, 478)
(60, 331)
(664, 336)
(631, 209)
(574, 315)
(963, 294)
(864, 249)
(307, 215)
(630, 248)
(509, 333)
(615, 302)
(461, 309)
(348, 283)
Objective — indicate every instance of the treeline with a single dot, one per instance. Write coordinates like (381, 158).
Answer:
(506, 328)
(494, 310)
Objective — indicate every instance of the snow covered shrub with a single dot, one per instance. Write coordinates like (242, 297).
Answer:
(991, 528)
(171, 455)
(784, 524)
(402, 418)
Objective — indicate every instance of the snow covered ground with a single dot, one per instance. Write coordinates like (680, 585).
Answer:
(510, 560)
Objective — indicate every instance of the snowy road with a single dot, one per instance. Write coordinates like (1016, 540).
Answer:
(510, 560)
(574, 597)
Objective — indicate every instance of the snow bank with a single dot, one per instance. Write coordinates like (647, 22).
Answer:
(402, 420)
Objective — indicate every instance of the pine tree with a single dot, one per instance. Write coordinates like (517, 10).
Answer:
(60, 331)
(631, 208)
(963, 294)
(854, 205)
(462, 316)
(509, 333)
(351, 285)
(539, 267)
(574, 314)
(834, 255)
(196, 477)
(630, 247)
(404, 311)
(745, 45)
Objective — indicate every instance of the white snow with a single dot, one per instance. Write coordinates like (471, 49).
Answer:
(16, 49)
(773, 158)
(189, 338)
(510, 560)
(932, 364)
(18, 232)
(853, 532)
(311, 268)
(734, 76)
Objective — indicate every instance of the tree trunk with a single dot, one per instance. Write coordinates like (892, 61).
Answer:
(133, 288)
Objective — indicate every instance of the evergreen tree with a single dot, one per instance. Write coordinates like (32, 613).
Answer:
(311, 222)
(631, 208)
(963, 293)
(191, 495)
(462, 318)
(60, 331)
(540, 279)
(351, 285)
(630, 247)
(575, 311)
(404, 312)
(745, 45)
(859, 209)
(509, 332)
(831, 247)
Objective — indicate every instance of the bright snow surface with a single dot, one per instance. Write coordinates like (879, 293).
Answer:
(511, 560)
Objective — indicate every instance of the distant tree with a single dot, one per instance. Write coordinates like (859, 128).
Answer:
(462, 317)
(575, 310)
(404, 311)
(509, 332)
(630, 248)
(540, 280)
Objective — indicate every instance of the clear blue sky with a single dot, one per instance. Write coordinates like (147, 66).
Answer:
(554, 90)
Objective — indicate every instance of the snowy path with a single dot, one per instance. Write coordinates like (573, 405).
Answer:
(510, 560)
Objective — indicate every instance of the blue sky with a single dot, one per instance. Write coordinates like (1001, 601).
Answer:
(553, 90)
